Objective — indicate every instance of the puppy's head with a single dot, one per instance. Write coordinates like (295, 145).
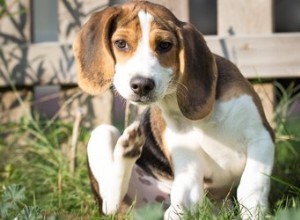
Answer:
(146, 53)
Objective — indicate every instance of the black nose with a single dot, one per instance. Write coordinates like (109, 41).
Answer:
(141, 86)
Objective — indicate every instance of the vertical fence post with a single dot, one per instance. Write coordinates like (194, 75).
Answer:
(245, 17)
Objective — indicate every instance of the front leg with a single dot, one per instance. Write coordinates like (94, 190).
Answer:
(254, 186)
(187, 189)
(111, 159)
(127, 150)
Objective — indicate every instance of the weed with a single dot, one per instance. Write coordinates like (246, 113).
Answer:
(12, 205)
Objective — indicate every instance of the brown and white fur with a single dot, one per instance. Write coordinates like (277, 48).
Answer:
(204, 131)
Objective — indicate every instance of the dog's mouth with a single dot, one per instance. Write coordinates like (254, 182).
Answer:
(136, 99)
(143, 100)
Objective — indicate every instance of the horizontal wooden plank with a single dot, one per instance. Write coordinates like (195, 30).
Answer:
(263, 56)
(31, 64)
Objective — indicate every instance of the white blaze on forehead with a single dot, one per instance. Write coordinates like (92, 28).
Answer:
(145, 23)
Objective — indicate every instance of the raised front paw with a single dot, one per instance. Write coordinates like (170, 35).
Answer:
(131, 142)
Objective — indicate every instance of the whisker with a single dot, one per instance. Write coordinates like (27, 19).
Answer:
(180, 88)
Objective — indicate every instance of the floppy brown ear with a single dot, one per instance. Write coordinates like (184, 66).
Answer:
(198, 74)
(95, 63)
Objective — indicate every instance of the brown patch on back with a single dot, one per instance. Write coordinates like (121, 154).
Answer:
(232, 84)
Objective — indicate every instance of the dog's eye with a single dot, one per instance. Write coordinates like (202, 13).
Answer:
(164, 46)
(121, 44)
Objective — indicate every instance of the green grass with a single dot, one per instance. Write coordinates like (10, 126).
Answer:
(36, 181)
(38, 160)
(286, 174)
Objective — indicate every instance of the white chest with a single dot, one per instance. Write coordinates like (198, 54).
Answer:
(219, 142)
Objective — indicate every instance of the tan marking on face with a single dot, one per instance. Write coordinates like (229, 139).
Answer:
(130, 32)
(128, 29)
(164, 34)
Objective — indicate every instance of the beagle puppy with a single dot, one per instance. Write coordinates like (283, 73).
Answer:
(204, 131)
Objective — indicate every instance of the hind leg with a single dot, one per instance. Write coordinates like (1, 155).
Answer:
(111, 158)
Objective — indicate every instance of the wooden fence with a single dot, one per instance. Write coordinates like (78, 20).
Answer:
(43, 74)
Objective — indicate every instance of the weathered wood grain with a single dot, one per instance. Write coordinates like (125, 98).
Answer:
(261, 56)
(244, 17)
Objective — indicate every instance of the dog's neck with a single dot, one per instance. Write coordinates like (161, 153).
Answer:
(174, 117)
(171, 112)
(169, 106)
